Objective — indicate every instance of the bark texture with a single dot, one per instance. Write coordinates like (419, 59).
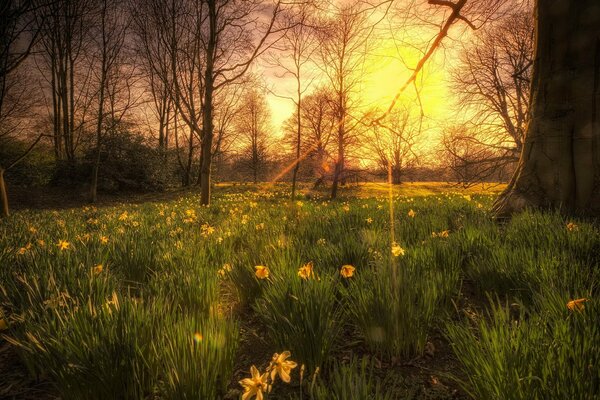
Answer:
(559, 166)
(3, 195)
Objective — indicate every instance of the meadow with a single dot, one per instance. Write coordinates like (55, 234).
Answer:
(410, 294)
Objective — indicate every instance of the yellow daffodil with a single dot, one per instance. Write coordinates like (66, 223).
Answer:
(322, 242)
(442, 234)
(98, 269)
(198, 337)
(411, 213)
(63, 245)
(104, 239)
(206, 230)
(306, 271)
(123, 216)
(261, 272)
(577, 305)
(397, 251)
(347, 271)
(369, 220)
(571, 226)
(254, 386)
(281, 366)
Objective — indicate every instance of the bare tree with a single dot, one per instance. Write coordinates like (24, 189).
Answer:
(111, 36)
(492, 82)
(393, 141)
(151, 30)
(342, 48)
(64, 37)
(18, 35)
(254, 129)
(234, 38)
(298, 46)
(317, 127)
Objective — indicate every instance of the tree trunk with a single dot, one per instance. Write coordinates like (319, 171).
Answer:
(207, 118)
(3, 195)
(396, 175)
(560, 163)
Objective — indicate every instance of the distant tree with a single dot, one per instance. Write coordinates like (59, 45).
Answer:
(64, 37)
(110, 42)
(254, 130)
(293, 54)
(318, 127)
(343, 43)
(393, 141)
(150, 24)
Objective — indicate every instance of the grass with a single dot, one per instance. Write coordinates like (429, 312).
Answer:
(162, 299)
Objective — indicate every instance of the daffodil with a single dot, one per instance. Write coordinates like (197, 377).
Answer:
(347, 271)
(369, 220)
(256, 385)
(571, 226)
(198, 337)
(397, 251)
(281, 366)
(306, 271)
(103, 239)
(63, 245)
(98, 269)
(411, 213)
(261, 272)
(576, 305)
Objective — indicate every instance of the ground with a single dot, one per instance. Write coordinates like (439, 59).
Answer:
(157, 297)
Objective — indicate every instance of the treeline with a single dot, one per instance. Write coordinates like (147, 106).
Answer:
(119, 95)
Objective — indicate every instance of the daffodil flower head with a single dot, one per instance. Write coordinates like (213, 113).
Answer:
(347, 271)
(306, 271)
(397, 251)
(261, 272)
(577, 305)
(254, 386)
(281, 366)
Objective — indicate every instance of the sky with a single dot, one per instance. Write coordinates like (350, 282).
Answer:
(387, 70)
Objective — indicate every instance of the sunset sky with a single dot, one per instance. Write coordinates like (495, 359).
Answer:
(386, 69)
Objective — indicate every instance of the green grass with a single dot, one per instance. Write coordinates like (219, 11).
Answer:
(162, 317)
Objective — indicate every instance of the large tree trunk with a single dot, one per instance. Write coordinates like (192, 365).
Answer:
(207, 118)
(3, 195)
(560, 163)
